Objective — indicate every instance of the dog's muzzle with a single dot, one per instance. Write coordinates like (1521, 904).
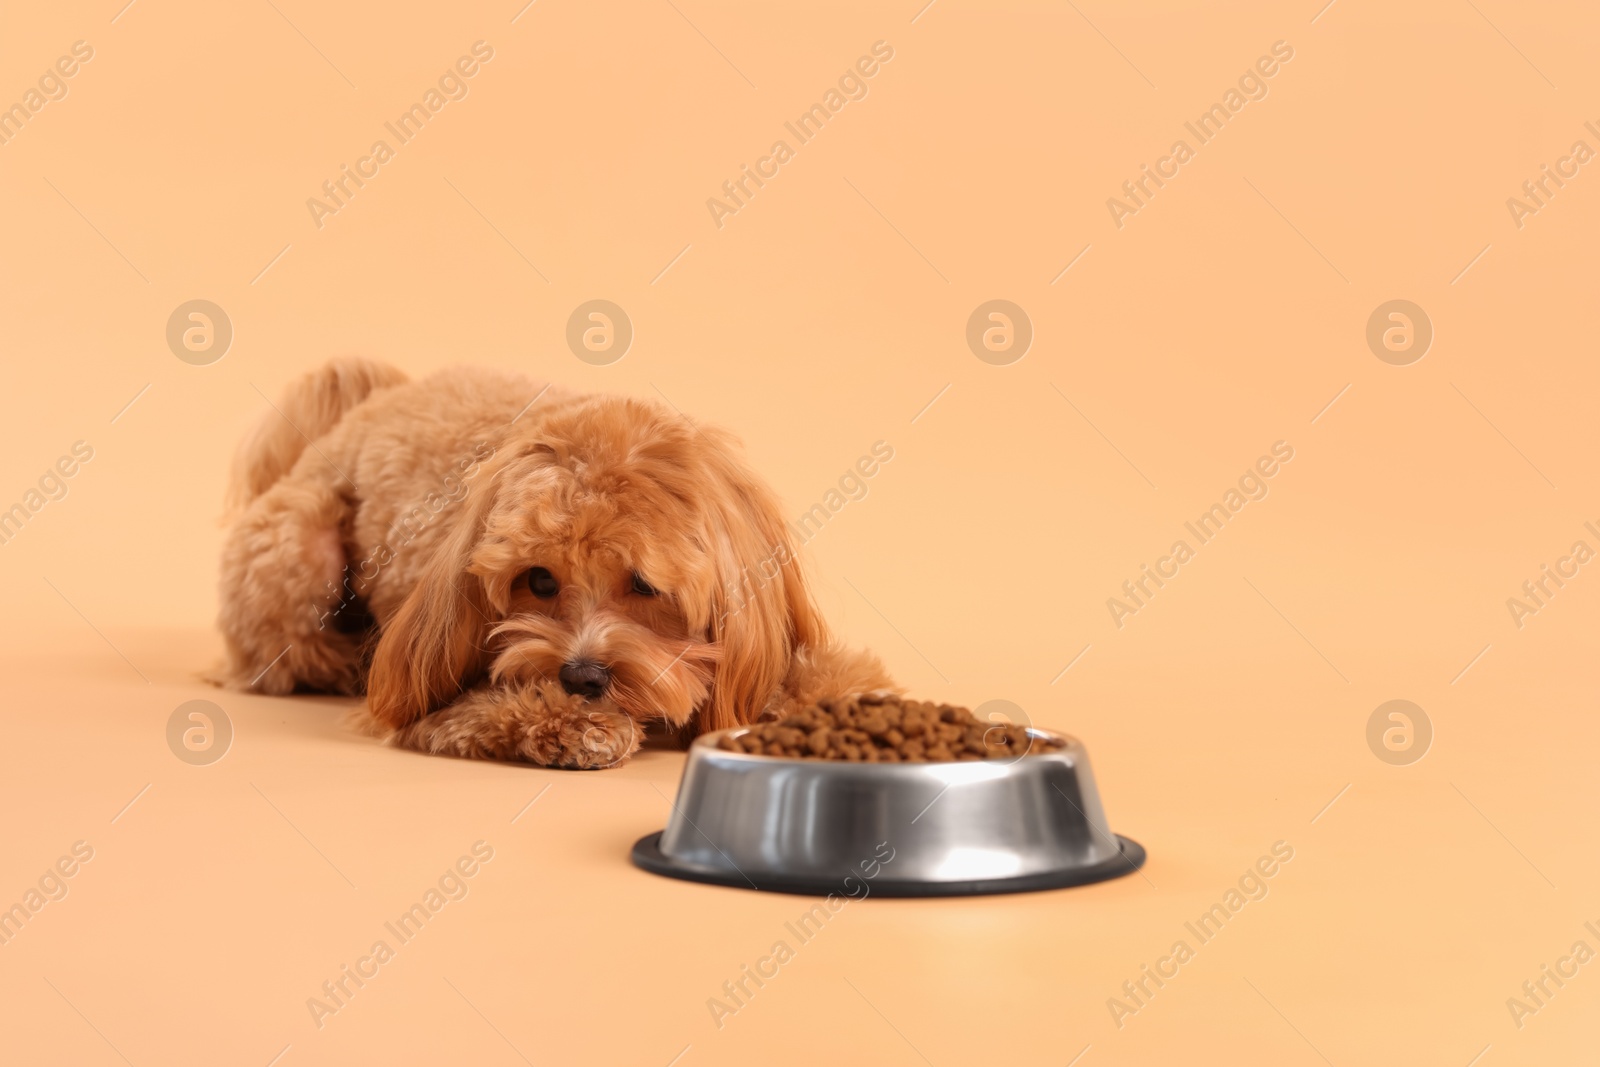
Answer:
(585, 679)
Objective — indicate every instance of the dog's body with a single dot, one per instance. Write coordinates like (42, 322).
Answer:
(513, 571)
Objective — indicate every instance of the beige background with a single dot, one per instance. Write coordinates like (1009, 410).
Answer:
(823, 317)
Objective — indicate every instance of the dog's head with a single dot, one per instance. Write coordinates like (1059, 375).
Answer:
(614, 549)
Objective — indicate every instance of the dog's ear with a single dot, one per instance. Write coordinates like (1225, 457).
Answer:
(434, 646)
(761, 610)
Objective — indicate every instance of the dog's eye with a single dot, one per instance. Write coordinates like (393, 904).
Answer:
(642, 587)
(542, 583)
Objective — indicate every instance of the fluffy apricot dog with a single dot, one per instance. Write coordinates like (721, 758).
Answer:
(512, 571)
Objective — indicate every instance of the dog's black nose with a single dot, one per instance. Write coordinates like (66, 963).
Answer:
(585, 679)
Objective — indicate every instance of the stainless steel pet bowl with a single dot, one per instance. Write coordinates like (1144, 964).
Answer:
(949, 829)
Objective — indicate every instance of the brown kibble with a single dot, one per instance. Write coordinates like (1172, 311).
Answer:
(886, 729)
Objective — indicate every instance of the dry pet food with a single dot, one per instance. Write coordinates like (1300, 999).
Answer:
(871, 729)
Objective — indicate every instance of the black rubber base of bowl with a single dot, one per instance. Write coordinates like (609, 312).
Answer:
(647, 854)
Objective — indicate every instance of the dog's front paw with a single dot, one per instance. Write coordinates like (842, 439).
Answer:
(535, 724)
(581, 737)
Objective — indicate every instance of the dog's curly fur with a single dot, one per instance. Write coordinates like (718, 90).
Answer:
(383, 536)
